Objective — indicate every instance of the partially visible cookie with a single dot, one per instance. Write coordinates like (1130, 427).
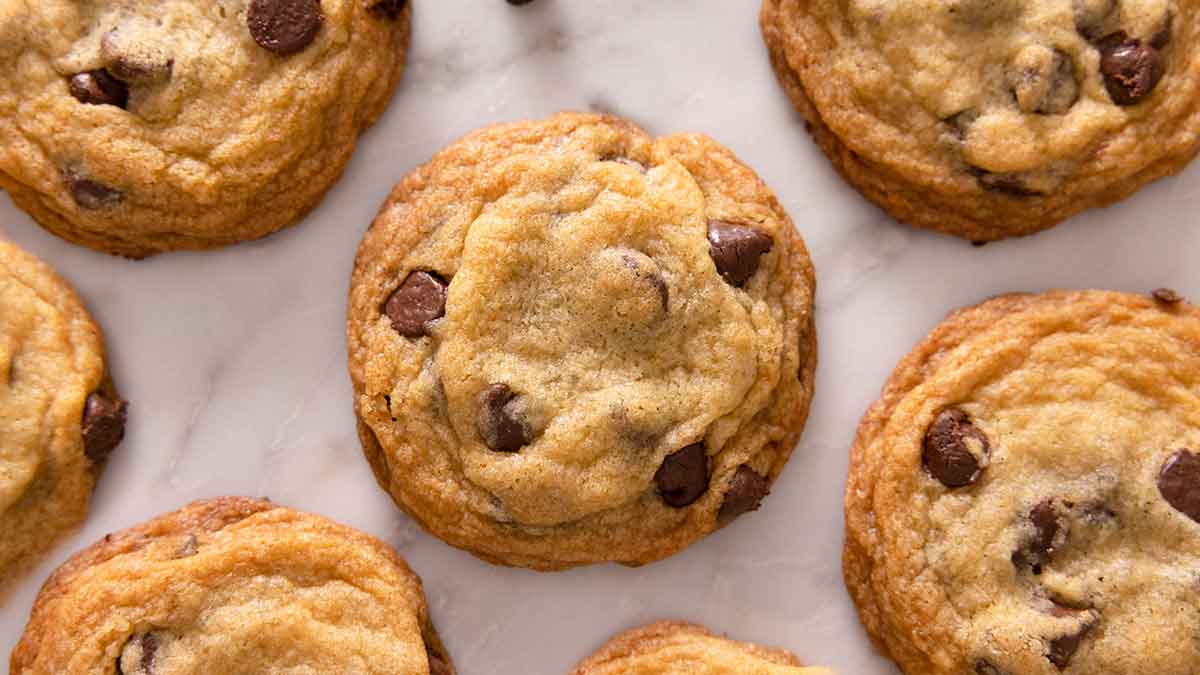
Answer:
(680, 648)
(988, 119)
(141, 127)
(232, 585)
(572, 343)
(60, 415)
(1024, 498)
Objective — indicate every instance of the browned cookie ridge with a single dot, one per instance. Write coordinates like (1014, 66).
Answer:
(1023, 496)
(573, 343)
(988, 120)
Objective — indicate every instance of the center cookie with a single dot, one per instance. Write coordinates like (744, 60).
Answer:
(1024, 499)
(993, 118)
(141, 127)
(572, 343)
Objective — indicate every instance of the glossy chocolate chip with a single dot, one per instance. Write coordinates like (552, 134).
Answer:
(501, 424)
(89, 194)
(1131, 68)
(1166, 296)
(683, 476)
(97, 87)
(284, 26)
(419, 301)
(1034, 552)
(1043, 80)
(389, 9)
(103, 425)
(736, 250)
(1060, 650)
(955, 450)
(133, 61)
(745, 493)
(1179, 483)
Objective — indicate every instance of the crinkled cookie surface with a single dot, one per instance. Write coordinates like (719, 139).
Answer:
(993, 118)
(572, 343)
(1025, 496)
(141, 127)
(60, 416)
(232, 585)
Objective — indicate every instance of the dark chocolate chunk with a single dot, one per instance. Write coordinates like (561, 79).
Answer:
(132, 61)
(97, 87)
(955, 450)
(745, 493)
(284, 26)
(1179, 482)
(1131, 68)
(683, 476)
(1060, 649)
(736, 250)
(1035, 552)
(416, 304)
(103, 426)
(501, 424)
(89, 194)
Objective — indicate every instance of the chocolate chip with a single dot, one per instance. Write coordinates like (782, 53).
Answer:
(103, 426)
(389, 9)
(284, 26)
(955, 450)
(1035, 552)
(1166, 296)
(736, 250)
(1061, 649)
(1179, 482)
(1090, 16)
(1130, 67)
(89, 194)
(745, 493)
(501, 423)
(134, 61)
(1004, 183)
(419, 301)
(143, 662)
(1043, 80)
(97, 87)
(683, 476)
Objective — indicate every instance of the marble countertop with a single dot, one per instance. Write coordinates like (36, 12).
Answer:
(234, 360)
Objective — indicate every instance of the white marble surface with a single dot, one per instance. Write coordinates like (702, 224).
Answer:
(234, 360)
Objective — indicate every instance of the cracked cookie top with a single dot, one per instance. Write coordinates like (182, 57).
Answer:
(572, 343)
(136, 128)
(1025, 496)
(232, 585)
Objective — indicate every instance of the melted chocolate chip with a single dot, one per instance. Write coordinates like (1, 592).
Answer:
(1179, 483)
(1035, 552)
(947, 453)
(736, 250)
(1131, 68)
(501, 423)
(284, 26)
(89, 194)
(745, 493)
(1060, 650)
(683, 476)
(1166, 296)
(97, 87)
(103, 426)
(419, 301)
(389, 9)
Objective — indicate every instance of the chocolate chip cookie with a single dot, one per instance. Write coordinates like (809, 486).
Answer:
(988, 119)
(232, 585)
(60, 415)
(1024, 498)
(573, 343)
(137, 128)
(679, 648)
